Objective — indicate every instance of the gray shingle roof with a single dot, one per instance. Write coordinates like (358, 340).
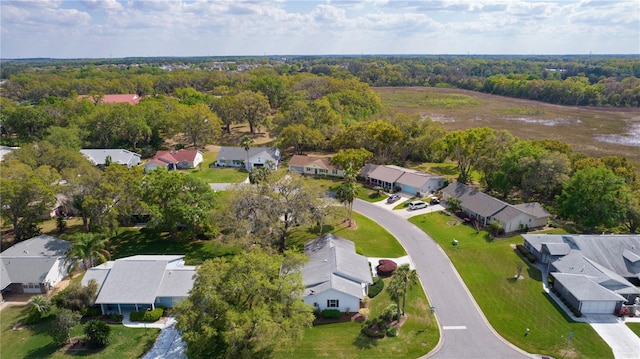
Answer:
(238, 153)
(416, 180)
(386, 174)
(585, 289)
(177, 282)
(476, 201)
(331, 256)
(43, 245)
(556, 249)
(535, 209)
(121, 156)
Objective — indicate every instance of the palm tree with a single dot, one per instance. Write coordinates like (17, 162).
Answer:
(41, 303)
(89, 246)
(347, 191)
(402, 280)
(246, 142)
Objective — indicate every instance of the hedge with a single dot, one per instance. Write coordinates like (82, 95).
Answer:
(148, 316)
(376, 287)
(331, 314)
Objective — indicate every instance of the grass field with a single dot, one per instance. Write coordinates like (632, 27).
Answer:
(488, 268)
(34, 341)
(635, 327)
(593, 131)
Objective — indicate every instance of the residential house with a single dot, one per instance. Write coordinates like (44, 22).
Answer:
(595, 274)
(100, 157)
(395, 178)
(309, 165)
(174, 160)
(141, 282)
(35, 265)
(485, 209)
(336, 277)
(131, 99)
(257, 157)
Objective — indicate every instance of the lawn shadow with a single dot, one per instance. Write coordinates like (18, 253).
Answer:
(560, 310)
(364, 342)
(42, 352)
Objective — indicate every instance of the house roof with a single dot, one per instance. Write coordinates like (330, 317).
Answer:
(386, 174)
(176, 156)
(238, 153)
(306, 161)
(583, 288)
(329, 256)
(534, 209)
(121, 156)
(476, 201)
(366, 170)
(337, 283)
(30, 261)
(416, 179)
(131, 99)
(556, 249)
(140, 279)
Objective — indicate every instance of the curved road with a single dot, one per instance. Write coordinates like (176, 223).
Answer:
(465, 333)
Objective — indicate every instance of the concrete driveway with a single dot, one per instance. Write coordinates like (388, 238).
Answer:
(406, 212)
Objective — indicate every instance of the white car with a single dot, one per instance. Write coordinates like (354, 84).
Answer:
(417, 205)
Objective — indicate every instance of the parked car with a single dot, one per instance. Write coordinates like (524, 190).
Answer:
(417, 205)
(434, 201)
(393, 198)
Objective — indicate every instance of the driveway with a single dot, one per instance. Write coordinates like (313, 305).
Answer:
(465, 333)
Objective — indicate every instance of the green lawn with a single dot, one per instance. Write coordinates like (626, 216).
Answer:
(219, 175)
(635, 327)
(417, 337)
(488, 268)
(370, 239)
(34, 341)
(132, 241)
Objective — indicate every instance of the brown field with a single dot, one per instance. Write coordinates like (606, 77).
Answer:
(593, 131)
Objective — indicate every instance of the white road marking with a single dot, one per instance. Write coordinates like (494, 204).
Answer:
(454, 327)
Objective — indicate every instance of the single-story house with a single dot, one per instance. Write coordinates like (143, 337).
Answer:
(485, 209)
(595, 274)
(141, 282)
(336, 277)
(309, 165)
(395, 178)
(175, 160)
(257, 156)
(121, 156)
(131, 99)
(35, 265)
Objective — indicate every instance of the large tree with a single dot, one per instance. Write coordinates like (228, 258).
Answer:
(176, 200)
(402, 280)
(244, 307)
(301, 138)
(27, 194)
(347, 191)
(594, 196)
(198, 122)
(351, 157)
(252, 107)
(88, 247)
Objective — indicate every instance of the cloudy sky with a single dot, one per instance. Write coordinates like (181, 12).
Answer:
(121, 28)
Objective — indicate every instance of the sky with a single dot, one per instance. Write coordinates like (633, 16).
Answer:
(131, 28)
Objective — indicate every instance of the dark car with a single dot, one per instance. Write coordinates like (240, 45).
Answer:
(434, 201)
(393, 198)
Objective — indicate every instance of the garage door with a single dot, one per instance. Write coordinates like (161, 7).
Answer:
(598, 307)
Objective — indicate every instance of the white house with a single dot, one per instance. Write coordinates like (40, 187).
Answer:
(140, 282)
(35, 265)
(336, 277)
(175, 160)
(402, 179)
(309, 165)
(99, 156)
(257, 157)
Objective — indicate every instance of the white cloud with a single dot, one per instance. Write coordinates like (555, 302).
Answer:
(111, 5)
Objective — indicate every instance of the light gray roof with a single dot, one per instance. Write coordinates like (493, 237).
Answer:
(416, 179)
(386, 174)
(330, 256)
(238, 153)
(121, 156)
(608, 250)
(337, 283)
(536, 240)
(30, 261)
(556, 249)
(476, 201)
(534, 209)
(366, 170)
(139, 279)
(585, 289)
(507, 214)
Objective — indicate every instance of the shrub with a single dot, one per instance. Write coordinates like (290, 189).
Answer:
(376, 287)
(522, 249)
(390, 312)
(374, 328)
(92, 312)
(331, 314)
(97, 333)
(148, 316)
(386, 267)
(531, 258)
(34, 316)
(392, 332)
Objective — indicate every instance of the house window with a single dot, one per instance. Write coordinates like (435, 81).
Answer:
(333, 303)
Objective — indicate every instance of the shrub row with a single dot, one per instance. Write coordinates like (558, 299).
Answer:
(376, 287)
(148, 316)
(525, 252)
(331, 314)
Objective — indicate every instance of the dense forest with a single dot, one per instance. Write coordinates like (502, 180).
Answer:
(600, 80)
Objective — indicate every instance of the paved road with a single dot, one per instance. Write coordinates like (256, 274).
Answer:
(464, 331)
